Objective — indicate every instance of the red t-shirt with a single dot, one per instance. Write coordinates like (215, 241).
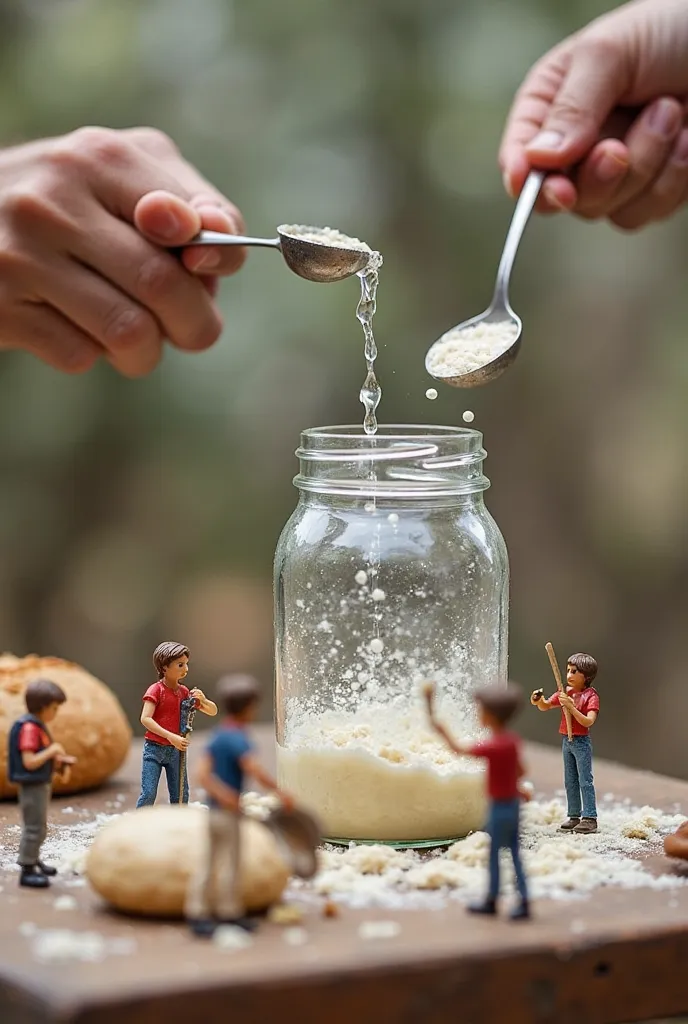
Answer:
(168, 709)
(502, 752)
(585, 701)
(32, 738)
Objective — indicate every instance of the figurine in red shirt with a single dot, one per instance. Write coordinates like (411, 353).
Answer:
(582, 701)
(164, 744)
(502, 751)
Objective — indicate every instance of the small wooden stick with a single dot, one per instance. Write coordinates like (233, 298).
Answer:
(560, 686)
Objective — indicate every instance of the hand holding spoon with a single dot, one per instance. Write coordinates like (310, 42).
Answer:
(314, 260)
(498, 312)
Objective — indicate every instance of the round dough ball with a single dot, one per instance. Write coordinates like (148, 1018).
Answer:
(141, 862)
(90, 725)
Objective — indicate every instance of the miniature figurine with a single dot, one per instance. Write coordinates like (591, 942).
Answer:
(164, 744)
(214, 895)
(33, 758)
(581, 705)
(502, 751)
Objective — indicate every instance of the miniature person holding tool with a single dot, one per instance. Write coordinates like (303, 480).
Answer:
(163, 744)
(502, 751)
(33, 758)
(214, 894)
(582, 702)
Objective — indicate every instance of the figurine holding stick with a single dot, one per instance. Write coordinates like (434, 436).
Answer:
(163, 744)
(502, 751)
(214, 893)
(560, 687)
(580, 706)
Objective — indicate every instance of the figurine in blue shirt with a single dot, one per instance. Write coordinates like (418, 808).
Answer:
(214, 894)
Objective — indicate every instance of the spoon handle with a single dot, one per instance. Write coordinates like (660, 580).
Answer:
(219, 238)
(524, 208)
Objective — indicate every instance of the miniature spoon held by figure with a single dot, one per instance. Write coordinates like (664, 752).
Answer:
(167, 717)
(580, 706)
(480, 349)
(317, 254)
(502, 751)
(33, 758)
(214, 896)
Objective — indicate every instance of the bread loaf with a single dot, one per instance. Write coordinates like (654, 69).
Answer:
(90, 725)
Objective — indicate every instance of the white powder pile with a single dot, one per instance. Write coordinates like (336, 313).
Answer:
(324, 236)
(559, 865)
(461, 351)
(60, 945)
(382, 774)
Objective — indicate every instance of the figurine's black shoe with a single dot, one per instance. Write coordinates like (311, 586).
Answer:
(247, 923)
(568, 826)
(46, 869)
(486, 907)
(202, 926)
(32, 878)
(521, 912)
(586, 826)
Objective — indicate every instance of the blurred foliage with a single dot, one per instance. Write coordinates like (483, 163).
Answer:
(137, 511)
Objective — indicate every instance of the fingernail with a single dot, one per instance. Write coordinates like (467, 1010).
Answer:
(609, 167)
(507, 184)
(209, 259)
(546, 140)
(552, 198)
(664, 118)
(167, 224)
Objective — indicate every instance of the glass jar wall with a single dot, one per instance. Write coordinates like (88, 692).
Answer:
(390, 571)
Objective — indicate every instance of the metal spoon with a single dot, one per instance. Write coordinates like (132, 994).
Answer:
(316, 261)
(499, 311)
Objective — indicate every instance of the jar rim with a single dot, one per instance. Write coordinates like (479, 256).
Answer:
(397, 431)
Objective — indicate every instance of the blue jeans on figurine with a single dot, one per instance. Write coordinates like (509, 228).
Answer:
(157, 756)
(578, 779)
(502, 826)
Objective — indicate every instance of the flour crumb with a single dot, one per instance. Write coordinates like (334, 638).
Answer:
(295, 936)
(65, 903)
(431, 393)
(361, 577)
(468, 416)
(285, 913)
(378, 594)
(393, 518)
(377, 645)
(379, 930)
(231, 936)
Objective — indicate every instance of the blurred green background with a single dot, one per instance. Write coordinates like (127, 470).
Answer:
(133, 512)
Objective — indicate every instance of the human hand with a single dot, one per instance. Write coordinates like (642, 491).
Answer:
(536, 696)
(57, 751)
(180, 742)
(198, 694)
(566, 701)
(65, 759)
(526, 790)
(575, 107)
(85, 224)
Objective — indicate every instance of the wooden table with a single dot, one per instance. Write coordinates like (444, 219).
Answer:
(629, 964)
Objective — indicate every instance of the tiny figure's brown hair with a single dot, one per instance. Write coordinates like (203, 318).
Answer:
(501, 701)
(586, 664)
(41, 693)
(167, 652)
(237, 692)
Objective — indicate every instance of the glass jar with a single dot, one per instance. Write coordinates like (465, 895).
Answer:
(390, 572)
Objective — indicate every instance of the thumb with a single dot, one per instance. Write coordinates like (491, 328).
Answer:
(592, 87)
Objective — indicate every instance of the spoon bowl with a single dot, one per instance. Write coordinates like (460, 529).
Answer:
(499, 311)
(312, 260)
